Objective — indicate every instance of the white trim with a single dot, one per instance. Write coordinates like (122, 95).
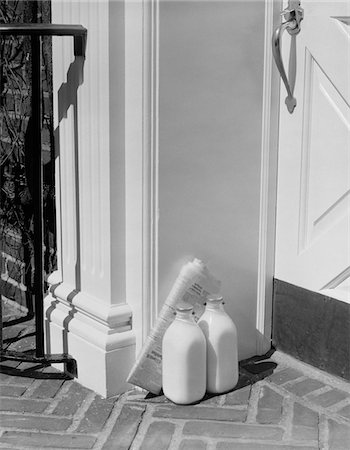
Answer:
(338, 280)
(146, 192)
(267, 192)
(117, 316)
(134, 177)
(303, 228)
(115, 319)
(150, 165)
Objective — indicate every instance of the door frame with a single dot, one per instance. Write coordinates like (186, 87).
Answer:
(268, 181)
(141, 170)
(142, 127)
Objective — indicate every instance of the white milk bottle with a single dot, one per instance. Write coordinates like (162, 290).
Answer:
(184, 358)
(222, 356)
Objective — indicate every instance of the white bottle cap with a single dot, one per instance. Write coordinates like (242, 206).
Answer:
(215, 298)
(184, 306)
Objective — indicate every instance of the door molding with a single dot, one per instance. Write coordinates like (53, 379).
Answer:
(268, 185)
(141, 154)
(150, 162)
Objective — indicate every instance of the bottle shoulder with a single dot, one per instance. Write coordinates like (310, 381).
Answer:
(215, 315)
(217, 322)
(180, 328)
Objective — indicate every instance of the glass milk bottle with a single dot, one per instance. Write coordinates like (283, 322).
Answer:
(184, 359)
(222, 356)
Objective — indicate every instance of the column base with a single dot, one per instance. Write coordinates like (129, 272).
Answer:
(100, 339)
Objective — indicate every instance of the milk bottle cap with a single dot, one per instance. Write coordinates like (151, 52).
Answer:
(183, 307)
(216, 298)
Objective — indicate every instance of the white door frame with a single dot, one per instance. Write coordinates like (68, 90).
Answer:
(268, 183)
(141, 140)
(142, 117)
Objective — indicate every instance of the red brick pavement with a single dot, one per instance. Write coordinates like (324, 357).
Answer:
(295, 407)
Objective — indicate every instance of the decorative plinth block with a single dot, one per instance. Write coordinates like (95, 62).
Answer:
(100, 340)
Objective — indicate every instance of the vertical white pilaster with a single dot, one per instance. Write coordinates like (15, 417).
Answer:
(86, 310)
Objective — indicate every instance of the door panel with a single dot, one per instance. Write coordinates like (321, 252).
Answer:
(313, 221)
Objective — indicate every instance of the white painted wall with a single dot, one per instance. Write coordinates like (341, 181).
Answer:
(211, 63)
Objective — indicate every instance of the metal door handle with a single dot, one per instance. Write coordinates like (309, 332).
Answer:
(293, 14)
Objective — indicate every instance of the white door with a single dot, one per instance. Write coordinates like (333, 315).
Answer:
(313, 205)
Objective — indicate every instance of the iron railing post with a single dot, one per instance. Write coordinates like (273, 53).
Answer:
(37, 190)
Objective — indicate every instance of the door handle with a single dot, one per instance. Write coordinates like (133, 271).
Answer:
(293, 15)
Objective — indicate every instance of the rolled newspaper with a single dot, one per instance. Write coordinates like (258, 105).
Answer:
(193, 285)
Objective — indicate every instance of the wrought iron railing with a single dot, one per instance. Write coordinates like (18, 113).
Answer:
(36, 32)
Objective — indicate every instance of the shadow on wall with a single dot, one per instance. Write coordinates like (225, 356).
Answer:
(68, 97)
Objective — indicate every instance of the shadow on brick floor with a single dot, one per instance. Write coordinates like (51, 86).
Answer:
(18, 335)
(251, 371)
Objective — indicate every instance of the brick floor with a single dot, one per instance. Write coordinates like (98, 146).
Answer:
(279, 404)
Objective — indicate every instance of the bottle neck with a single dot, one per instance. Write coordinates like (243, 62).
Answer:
(214, 306)
(185, 316)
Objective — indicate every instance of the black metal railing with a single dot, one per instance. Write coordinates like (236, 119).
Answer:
(36, 31)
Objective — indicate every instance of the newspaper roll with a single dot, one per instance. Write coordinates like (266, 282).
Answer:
(193, 285)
